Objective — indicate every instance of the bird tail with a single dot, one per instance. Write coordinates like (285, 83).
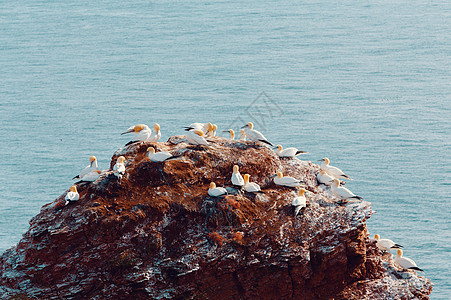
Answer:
(188, 128)
(397, 246)
(357, 197)
(266, 142)
(346, 176)
(75, 177)
(416, 268)
(301, 152)
(131, 142)
(173, 156)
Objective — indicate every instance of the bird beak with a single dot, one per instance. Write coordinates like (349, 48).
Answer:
(92, 163)
(321, 159)
(131, 130)
(274, 175)
(245, 126)
(188, 128)
(274, 147)
(225, 131)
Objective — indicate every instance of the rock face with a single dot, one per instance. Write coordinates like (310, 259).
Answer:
(157, 234)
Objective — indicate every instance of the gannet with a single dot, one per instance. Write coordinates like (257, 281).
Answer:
(385, 244)
(324, 178)
(91, 176)
(216, 191)
(212, 132)
(156, 133)
(254, 135)
(333, 171)
(92, 166)
(72, 195)
(204, 127)
(279, 179)
(237, 179)
(405, 262)
(142, 132)
(232, 133)
(341, 192)
(119, 167)
(159, 156)
(196, 137)
(242, 135)
(288, 152)
(250, 187)
(299, 202)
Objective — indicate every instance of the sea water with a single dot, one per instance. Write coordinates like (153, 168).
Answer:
(365, 83)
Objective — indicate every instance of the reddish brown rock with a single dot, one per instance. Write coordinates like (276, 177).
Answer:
(158, 235)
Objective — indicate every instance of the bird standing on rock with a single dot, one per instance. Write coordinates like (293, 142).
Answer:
(333, 171)
(288, 152)
(324, 178)
(237, 179)
(254, 135)
(142, 132)
(251, 187)
(279, 179)
(156, 133)
(92, 166)
(196, 137)
(119, 167)
(72, 195)
(216, 191)
(341, 192)
(299, 202)
(405, 262)
(385, 244)
(159, 156)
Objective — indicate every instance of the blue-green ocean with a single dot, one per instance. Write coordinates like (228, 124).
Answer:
(365, 83)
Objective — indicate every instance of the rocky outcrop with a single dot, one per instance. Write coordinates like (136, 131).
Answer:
(157, 234)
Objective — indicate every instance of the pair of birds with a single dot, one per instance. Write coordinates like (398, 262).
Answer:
(330, 175)
(242, 182)
(403, 262)
(239, 181)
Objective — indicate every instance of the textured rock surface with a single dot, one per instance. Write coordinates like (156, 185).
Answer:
(158, 235)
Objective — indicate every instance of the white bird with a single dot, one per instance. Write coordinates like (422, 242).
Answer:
(405, 262)
(385, 244)
(324, 178)
(251, 187)
(142, 133)
(196, 137)
(279, 179)
(91, 176)
(341, 192)
(288, 152)
(156, 133)
(237, 179)
(232, 133)
(204, 127)
(119, 167)
(242, 135)
(333, 171)
(92, 166)
(299, 202)
(216, 191)
(159, 156)
(254, 135)
(212, 132)
(72, 195)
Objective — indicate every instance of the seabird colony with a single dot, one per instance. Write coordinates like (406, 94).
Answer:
(198, 134)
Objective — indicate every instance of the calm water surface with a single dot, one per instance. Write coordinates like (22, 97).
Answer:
(365, 83)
